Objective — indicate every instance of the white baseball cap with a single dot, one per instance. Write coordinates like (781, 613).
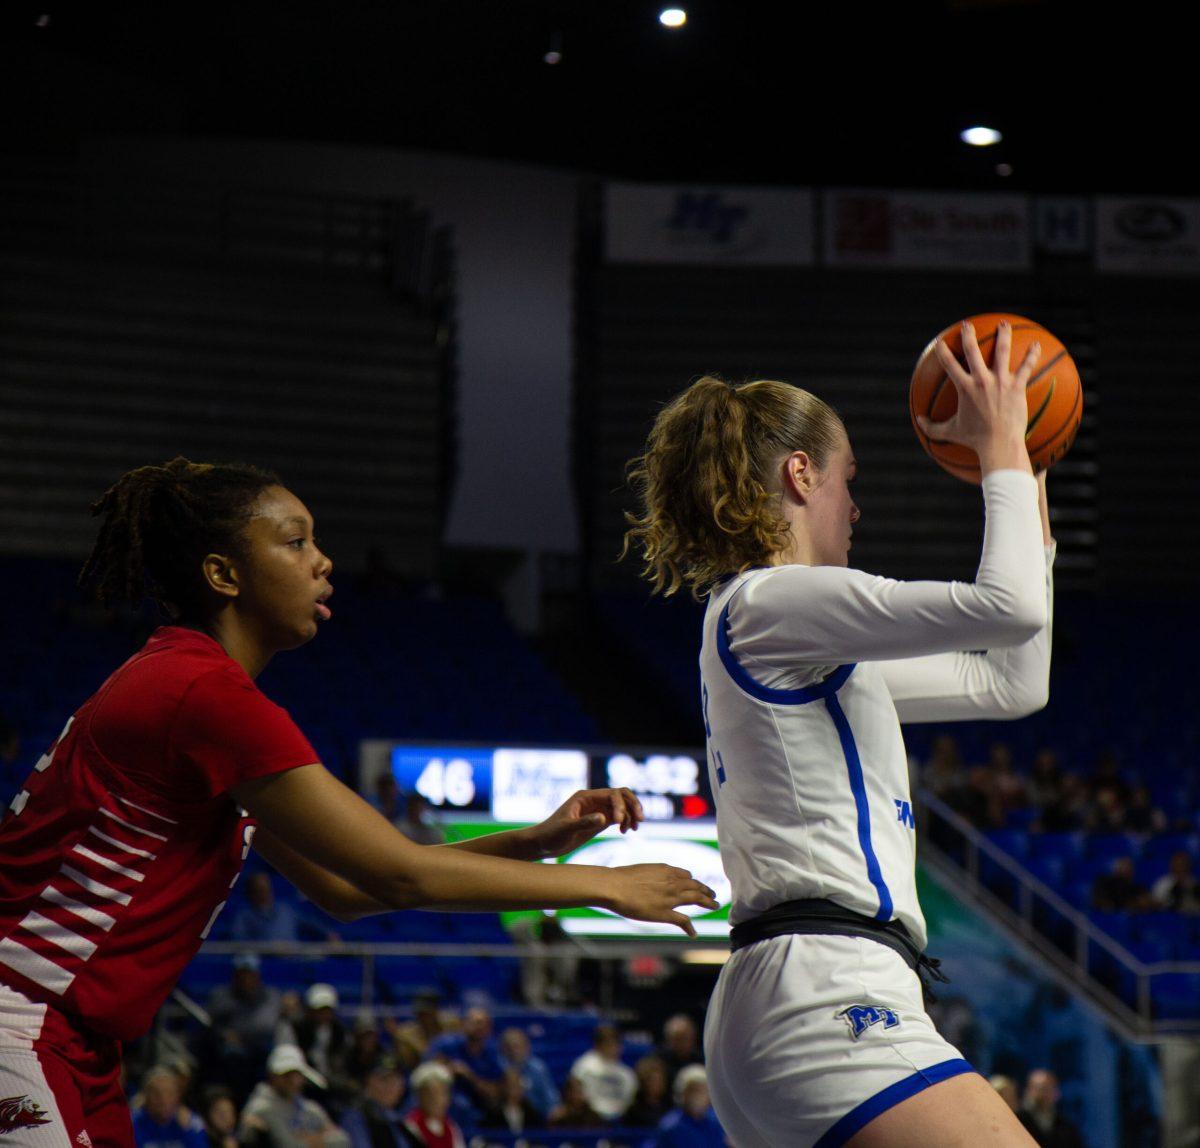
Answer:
(430, 1070)
(289, 1058)
(687, 1076)
(321, 995)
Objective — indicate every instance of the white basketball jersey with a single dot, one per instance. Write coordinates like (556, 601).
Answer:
(802, 670)
(811, 783)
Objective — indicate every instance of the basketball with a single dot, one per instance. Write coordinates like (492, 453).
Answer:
(1054, 394)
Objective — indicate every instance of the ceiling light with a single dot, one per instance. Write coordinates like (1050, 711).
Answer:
(981, 137)
(672, 17)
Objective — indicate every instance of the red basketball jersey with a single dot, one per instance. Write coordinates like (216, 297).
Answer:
(119, 853)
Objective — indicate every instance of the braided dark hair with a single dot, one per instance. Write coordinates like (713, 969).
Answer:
(160, 522)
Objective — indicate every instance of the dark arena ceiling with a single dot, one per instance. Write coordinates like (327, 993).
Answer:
(1089, 98)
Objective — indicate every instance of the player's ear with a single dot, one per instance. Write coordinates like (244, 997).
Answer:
(221, 574)
(799, 475)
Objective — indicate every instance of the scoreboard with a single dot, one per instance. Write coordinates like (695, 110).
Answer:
(514, 784)
(478, 789)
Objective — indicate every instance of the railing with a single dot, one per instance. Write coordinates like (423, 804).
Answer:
(608, 957)
(1095, 964)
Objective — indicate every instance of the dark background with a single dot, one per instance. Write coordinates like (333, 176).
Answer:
(1088, 97)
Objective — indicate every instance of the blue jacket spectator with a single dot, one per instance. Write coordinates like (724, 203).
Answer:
(516, 1053)
(159, 1123)
(693, 1124)
(472, 1056)
(680, 1130)
(265, 919)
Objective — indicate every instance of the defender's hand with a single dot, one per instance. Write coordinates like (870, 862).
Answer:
(582, 816)
(654, 892)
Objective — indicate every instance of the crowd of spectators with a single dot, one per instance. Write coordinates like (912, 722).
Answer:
(277, 1070)
(1044, 799)
(1176, 891)
(1047, 798)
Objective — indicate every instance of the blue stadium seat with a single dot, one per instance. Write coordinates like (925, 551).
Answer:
(1119, 926)
(1014, 841)
(1176, 995)
(1105, 848)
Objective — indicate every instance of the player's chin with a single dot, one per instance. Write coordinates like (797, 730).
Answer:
(298, 633)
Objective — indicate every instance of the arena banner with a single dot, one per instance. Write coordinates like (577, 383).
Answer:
(924, 229)
(660, 223)
(1148, 236)
(1063, 225)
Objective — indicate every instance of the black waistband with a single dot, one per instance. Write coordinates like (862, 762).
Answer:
(817, 916)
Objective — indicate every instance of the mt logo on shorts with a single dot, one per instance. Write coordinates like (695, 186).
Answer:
(20, 1112)
(861, 1017)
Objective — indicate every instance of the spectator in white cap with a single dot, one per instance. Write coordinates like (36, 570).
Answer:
(322, 1036)
(429, 1121)
(278, 1115)
(692, 1123)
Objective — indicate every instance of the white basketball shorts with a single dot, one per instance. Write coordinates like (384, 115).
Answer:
(810, 1037)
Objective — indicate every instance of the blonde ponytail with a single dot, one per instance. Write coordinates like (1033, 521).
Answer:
(706, 485)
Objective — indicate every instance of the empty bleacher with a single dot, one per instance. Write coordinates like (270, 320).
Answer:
(390, 664)
(304, 334)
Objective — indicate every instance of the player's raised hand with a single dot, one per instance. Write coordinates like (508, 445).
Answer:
(582, 816)
(655, 892)
(992, 408)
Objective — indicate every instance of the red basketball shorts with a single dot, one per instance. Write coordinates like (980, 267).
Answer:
(59, 1087)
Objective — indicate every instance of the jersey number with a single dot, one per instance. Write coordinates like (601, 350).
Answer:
(720, 762)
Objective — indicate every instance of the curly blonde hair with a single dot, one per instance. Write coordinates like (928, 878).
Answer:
(707, 492)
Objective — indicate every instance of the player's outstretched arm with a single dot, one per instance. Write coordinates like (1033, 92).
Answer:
(571, 826)
(329, 892)
(314, 815)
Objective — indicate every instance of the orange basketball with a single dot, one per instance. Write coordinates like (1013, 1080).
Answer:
(1054, 393)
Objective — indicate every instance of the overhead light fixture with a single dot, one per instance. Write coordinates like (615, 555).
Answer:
(1004, 169)
(554, 52)
(672, 17)
(981, 137)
